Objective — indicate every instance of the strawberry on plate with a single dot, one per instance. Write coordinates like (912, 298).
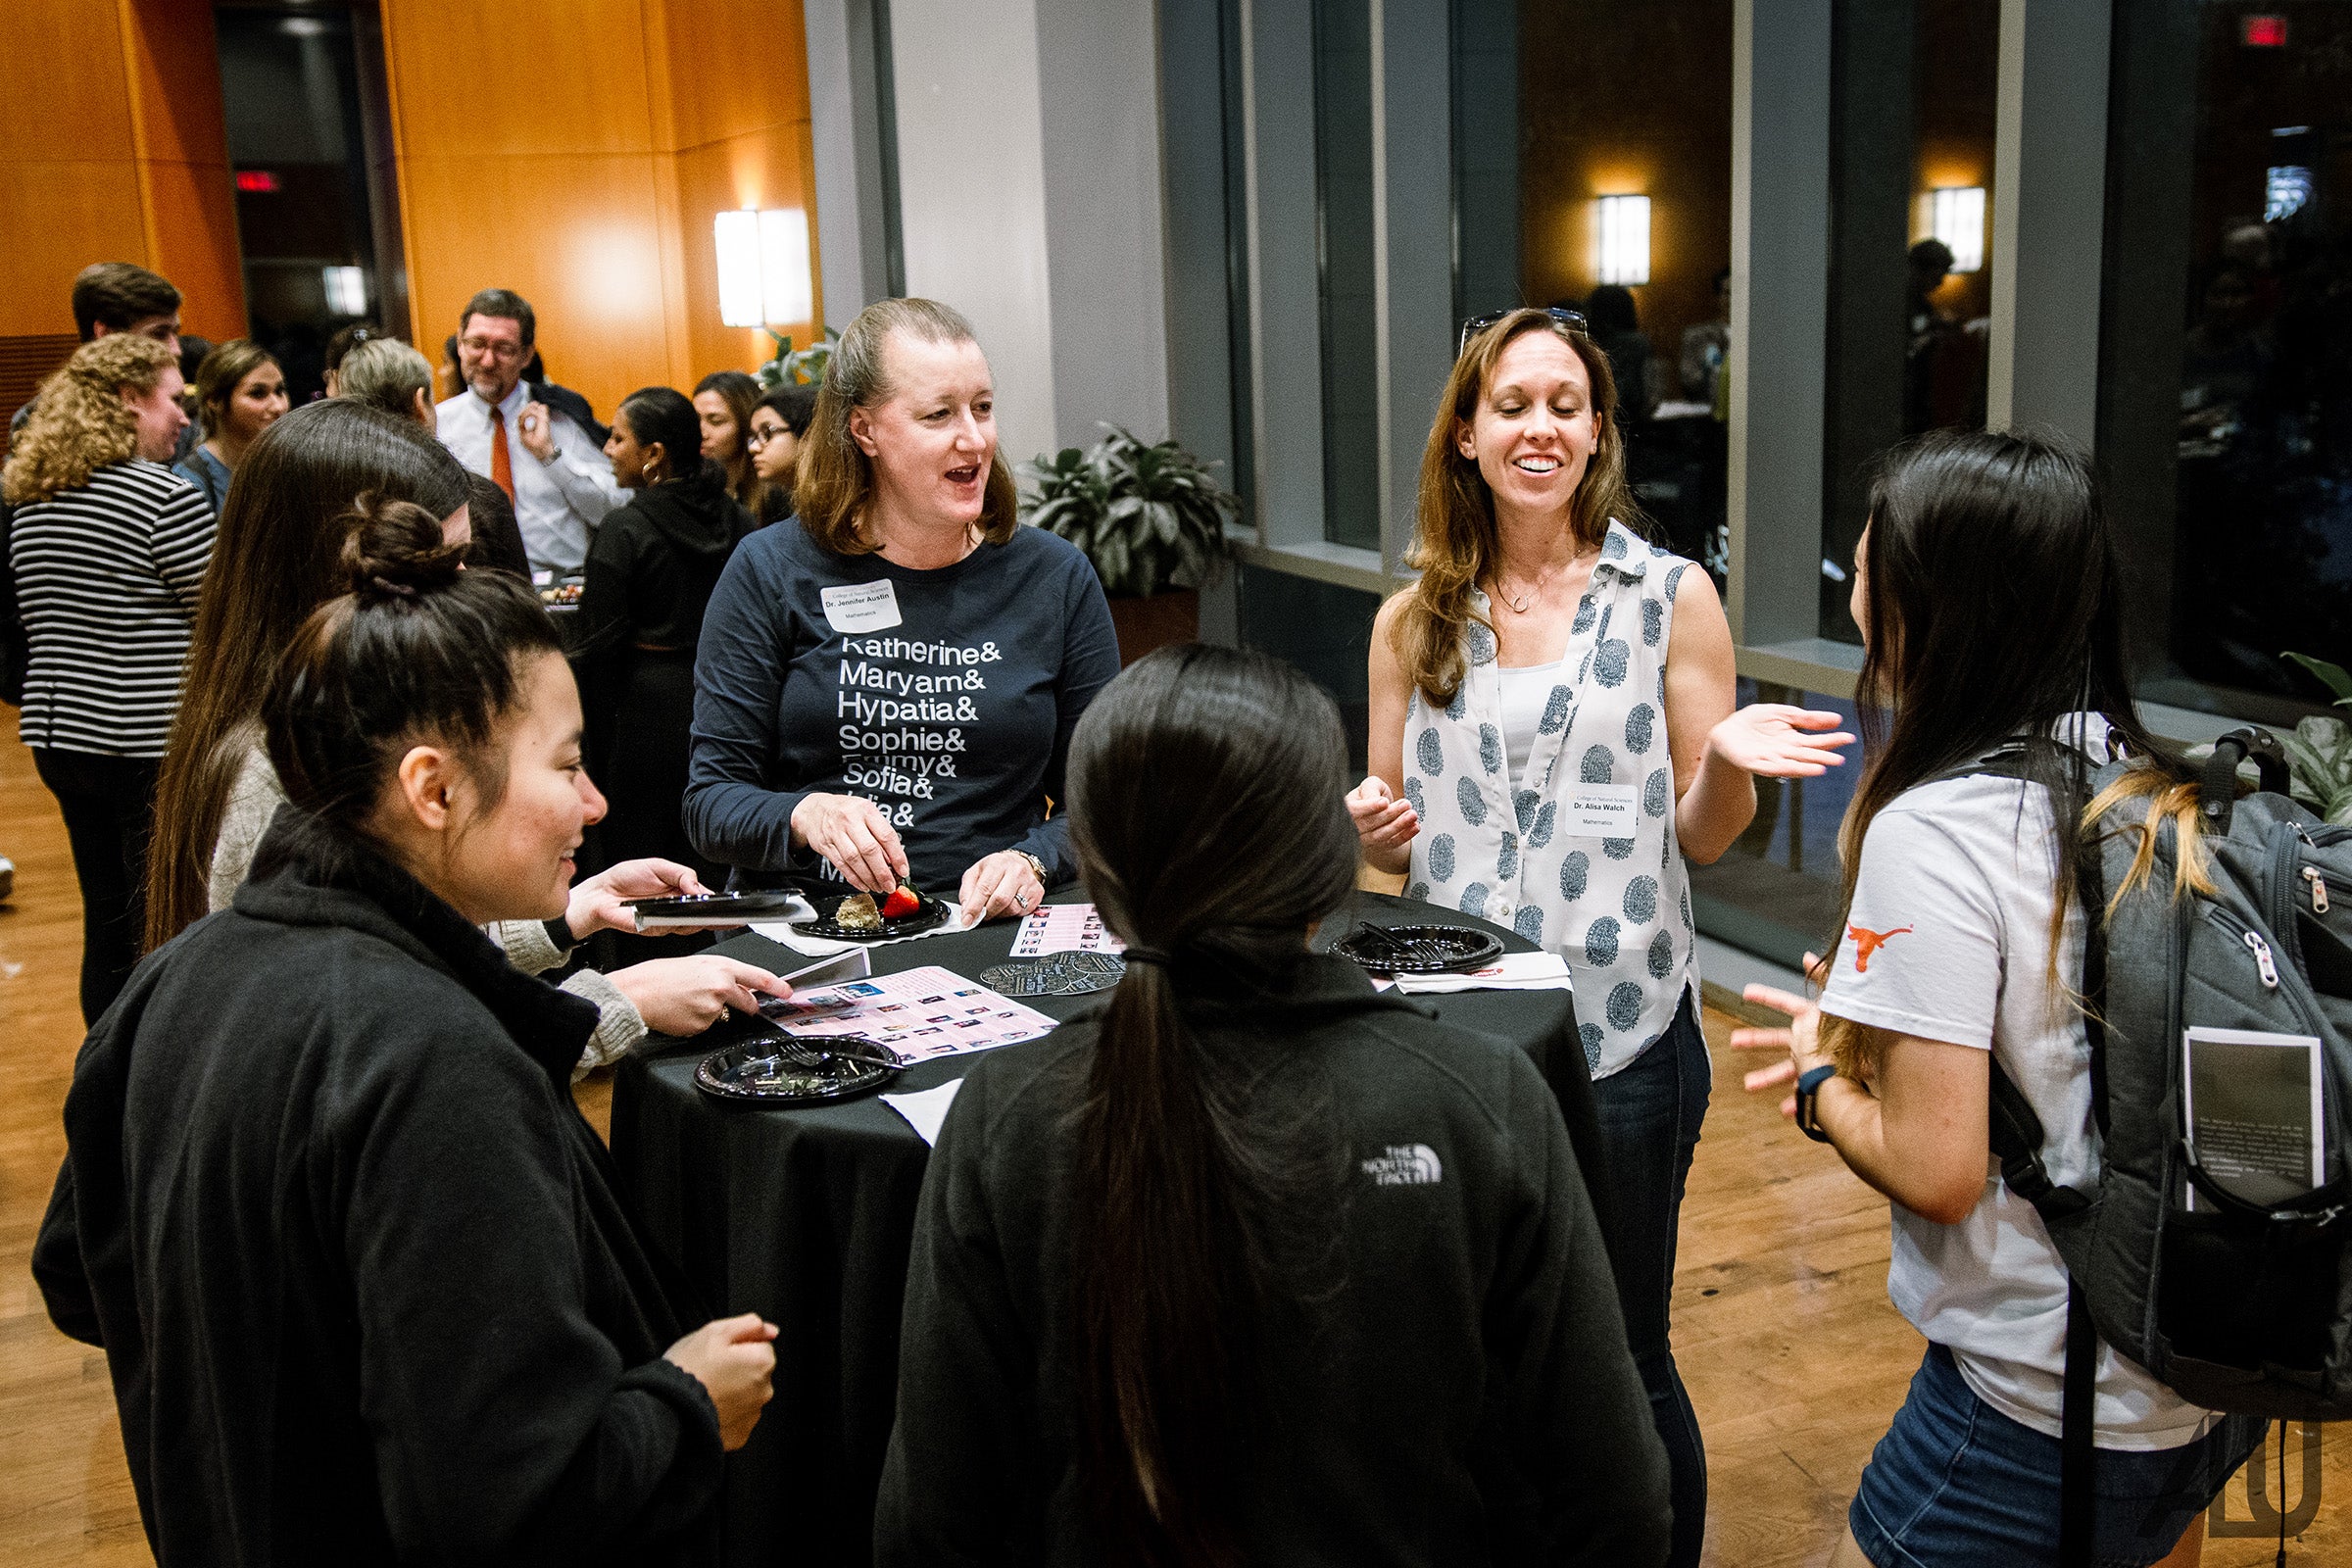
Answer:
(904, 901)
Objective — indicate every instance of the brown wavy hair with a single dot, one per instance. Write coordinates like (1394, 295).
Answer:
(836, 479)
(278, 555)
(1453, 524)
(80, 425)
(742, 395)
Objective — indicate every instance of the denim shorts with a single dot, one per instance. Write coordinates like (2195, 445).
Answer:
(1957, 1484)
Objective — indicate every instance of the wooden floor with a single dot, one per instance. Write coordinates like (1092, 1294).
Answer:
(1782, 1326)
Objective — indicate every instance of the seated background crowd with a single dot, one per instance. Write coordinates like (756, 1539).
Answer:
(339, 788)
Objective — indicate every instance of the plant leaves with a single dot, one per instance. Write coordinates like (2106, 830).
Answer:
(2334, 677)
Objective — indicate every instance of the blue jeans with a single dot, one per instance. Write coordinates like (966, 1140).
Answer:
(1957, 1484)
(1649, 1114)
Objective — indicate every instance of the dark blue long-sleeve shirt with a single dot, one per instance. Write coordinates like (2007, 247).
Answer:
(945, 697)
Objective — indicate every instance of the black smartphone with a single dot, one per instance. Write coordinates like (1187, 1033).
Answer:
(713, 908)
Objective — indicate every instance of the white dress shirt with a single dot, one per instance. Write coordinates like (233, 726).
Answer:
(558, 502)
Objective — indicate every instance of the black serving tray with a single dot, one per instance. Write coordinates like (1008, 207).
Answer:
(1419, 948)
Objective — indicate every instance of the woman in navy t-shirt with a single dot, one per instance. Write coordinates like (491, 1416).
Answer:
(886, 690)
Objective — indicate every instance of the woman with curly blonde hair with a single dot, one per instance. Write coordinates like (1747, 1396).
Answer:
(109, 549)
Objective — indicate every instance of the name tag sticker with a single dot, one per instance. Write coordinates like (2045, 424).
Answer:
(864, 607)
(1602, 810)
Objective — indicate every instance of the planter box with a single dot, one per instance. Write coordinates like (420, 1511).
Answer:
(1145, 624)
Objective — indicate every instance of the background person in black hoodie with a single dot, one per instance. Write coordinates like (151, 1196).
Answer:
(650, 575)
(1255, 1265)
(366, 1289)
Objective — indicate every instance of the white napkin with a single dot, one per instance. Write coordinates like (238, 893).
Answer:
(1513, 971)
(780, 931)
(926, 1109)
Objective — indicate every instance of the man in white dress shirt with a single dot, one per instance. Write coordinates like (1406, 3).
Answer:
(553, 471)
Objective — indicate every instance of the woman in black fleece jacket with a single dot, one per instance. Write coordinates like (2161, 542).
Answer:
(1255, 1265)
(365, 1285)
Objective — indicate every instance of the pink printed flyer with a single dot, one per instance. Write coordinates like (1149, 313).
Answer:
(1064, 928)
(919, 1013)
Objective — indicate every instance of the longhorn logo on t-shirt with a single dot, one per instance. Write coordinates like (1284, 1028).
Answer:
(1868, 941)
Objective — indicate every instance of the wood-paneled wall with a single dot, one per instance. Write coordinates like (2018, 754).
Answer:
(576, 151)
(113, 148)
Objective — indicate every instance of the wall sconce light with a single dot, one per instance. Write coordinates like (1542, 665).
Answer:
(1625, 239)
(1956, 216)
(763, 266)
(345, 289)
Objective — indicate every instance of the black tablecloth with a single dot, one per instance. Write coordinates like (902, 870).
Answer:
(806, 1216)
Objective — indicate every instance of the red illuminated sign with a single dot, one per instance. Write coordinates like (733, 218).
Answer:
(2262, 31)
(255, 179)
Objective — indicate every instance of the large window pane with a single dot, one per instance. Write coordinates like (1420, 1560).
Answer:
(2225, 417)
(1910, 298)
(1345, 250)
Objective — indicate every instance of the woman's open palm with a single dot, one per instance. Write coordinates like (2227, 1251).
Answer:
(1777, 740)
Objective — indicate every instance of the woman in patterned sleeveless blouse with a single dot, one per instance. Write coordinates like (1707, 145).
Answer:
(1549, 740)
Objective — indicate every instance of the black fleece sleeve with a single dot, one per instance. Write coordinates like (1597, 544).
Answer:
(507, 1427)
(953, 1485)
(1576, 1414)
(57, 1265)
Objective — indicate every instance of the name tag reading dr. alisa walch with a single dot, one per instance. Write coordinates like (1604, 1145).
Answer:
(861, 606)
(1601, 810)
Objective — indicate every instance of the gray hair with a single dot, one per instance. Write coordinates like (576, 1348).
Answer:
(385, 374)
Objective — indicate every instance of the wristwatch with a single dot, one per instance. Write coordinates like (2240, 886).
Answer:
(1037, 866)
(1808, 1085)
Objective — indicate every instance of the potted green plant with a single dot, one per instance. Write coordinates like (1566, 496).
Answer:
(2318, 753)
(1150, 515)
(805, 366)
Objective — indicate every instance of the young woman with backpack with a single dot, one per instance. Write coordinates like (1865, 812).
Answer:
(1986, 591)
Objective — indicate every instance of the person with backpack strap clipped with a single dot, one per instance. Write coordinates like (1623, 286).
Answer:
(1960, 999)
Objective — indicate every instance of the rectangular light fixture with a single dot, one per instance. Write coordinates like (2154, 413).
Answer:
(738, 236)
(763, 266)
(1625, 239)
(784, 281)
(345, 289)
(1957, 218)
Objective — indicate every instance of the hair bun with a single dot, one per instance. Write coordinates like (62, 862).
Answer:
(394, 550)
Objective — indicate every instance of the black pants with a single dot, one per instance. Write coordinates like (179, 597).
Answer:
(109, 807)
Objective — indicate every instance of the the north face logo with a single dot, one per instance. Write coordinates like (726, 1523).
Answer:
(1406, 1165)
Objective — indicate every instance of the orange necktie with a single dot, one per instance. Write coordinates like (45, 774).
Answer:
(502, 467)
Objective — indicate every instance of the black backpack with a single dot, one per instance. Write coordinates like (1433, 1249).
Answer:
(2236, 1306)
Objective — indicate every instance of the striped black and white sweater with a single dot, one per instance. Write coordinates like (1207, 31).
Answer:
(107, 577)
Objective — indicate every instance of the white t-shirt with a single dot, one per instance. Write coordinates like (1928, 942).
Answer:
(1949, 939)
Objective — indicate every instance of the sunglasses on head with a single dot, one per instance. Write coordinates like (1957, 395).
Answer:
(1574, 320)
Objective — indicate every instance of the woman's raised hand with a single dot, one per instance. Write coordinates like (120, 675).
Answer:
(1384, 824)
(1777, 740)
(852, 832)
(1801, 1040)
(734, 1359)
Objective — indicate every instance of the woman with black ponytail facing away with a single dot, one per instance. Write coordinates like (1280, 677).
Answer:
(1255, 1264)
(364, 1285)
(1993, 683)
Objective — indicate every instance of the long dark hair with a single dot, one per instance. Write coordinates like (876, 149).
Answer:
(415, 647)
(276, 557)
(742, 395)
(1205, 806)
(1991, 610)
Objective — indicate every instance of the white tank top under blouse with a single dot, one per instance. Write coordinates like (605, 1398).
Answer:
(1525, 691)
(1573, 848)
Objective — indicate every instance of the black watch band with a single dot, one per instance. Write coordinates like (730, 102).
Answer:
(559, 932)
(1808, 1086)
